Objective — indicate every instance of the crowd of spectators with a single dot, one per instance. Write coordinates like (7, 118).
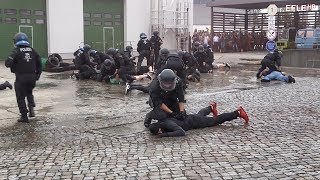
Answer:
(235, 41)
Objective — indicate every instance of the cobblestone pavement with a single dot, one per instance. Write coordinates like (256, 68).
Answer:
(86, 132)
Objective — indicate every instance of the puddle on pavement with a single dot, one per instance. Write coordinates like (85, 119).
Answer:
(123, 130)
(76, 99)
(46, 85)
(64, 75)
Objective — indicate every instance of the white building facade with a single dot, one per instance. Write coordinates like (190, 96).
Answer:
(66, 32)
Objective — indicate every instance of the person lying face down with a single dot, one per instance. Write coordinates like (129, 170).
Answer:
(178, 125)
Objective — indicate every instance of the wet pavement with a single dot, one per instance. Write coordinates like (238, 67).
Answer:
(89, 130)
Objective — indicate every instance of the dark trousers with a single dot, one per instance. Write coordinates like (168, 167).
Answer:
(140, 87)
(158, 114)
(204, 69)
(144, 54)
(24, 86)
(2, 87)
(200, 120)
(125, 74)
(156, 57)
(85, 72)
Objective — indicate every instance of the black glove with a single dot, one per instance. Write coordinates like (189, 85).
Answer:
(174, 114)
(181, 116)
(258, 75)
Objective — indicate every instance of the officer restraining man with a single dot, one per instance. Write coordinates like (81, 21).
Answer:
(144, 49)
(272, 61)
(5, 85)
(83, 63)
(25, 62)
(166, 96)
(172, 127)
(156, 43)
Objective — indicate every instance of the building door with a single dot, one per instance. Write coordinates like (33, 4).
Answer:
(103, 17)
(108, 38)
(28, 30)
(30, 18)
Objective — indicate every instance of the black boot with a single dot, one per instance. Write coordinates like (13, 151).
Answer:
(31, 112)
(24, 118)
(291, 79)
(147, 120)
(7, 84)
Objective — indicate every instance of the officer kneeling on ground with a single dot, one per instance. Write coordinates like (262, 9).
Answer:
(167, 97)
(272, 61)
(25, 62)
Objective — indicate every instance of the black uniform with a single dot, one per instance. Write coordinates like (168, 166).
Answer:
(84, 65)
(204, 63)
(107, 73)
(25, 62)
(170, 98)
(156, 43)
(125, 67)
(190, 64)
(144, 49)
(270, 61)
(175, 63)
(172, 127)
(99, 58)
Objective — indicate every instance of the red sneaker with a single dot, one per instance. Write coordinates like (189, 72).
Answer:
(214, 109)
(243, 114)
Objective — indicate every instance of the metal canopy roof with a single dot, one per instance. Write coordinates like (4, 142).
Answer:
(257, 4)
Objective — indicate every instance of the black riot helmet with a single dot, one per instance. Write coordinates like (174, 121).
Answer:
(92, 53)
(143, 36)
(107, 63)
(129, 48)
(112, 51)
(155, 33)
(201, 48)
(164, 51)
(181, 53)
(167, 80)
(86, 48)
(21, 39)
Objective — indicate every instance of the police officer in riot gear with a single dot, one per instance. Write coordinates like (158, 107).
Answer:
(5, 85)
(107, 71)
(195, 46)
(25, 62)
(164, 53)
(156, 43)
(175, 63)
(83, 63)
(144, 49)
(190, 65)
(166, 96)
(272, 61)
(205, 64)
(98, 57)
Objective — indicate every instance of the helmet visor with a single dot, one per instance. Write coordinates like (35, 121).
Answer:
(168, 85)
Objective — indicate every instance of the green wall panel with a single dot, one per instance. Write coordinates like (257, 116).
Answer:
(100, 16)
(15, 13)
